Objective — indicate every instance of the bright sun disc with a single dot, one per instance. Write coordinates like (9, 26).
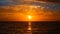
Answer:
(29, 17)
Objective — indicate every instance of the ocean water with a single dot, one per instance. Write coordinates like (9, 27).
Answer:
(38, 27)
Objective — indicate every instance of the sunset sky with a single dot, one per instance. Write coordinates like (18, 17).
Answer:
(40, 10)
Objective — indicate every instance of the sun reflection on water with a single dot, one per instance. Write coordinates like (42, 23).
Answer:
(29, 28)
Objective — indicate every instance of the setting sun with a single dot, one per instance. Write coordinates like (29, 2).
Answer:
(29, 17)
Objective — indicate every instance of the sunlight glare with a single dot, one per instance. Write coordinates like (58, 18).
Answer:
(29, 17)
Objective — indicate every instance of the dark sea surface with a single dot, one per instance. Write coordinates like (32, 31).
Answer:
(38, 27)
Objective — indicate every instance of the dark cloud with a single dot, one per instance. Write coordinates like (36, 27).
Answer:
(10, 2)
(19, 2)
(56, 1)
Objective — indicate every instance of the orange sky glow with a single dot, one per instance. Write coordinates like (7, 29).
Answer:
(29, 13)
